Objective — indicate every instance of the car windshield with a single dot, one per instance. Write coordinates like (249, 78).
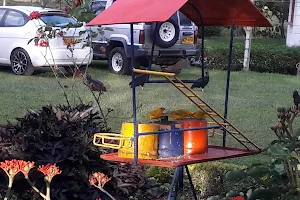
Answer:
(57, 19)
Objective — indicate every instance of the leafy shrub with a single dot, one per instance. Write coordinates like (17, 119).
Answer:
(162, 175)
(217, 58)
(264, 57)
(210, 31)
(208, 177)
(277, 177)
(63, 135)
(281, 60)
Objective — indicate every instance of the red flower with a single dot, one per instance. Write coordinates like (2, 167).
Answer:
(25, 167)
(12, 167)
(99, 179)
(34, 15)
(238, 198)
(67, 9)
(49, 171)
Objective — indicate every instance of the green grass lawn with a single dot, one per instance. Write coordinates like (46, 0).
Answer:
(253, 100)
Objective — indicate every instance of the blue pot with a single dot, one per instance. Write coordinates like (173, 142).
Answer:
(170, 144)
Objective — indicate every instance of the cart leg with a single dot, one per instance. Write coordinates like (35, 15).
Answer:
(180, 178)
(173, 184)
(179, 185)
(191, 182)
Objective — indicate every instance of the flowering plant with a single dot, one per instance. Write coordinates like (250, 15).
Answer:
(13, 167)
(98, 180)
(34, 15)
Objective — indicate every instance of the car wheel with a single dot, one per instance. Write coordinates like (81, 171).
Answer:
(167, 33)
(118, 62)
(21, 63)
(71, 69)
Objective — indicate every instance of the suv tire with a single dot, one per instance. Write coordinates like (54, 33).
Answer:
(21, 63)
(118, 62)
(167, 33)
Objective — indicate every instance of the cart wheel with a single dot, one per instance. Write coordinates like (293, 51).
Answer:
(167, 33)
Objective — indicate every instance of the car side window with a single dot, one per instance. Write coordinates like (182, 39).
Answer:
(14, 19)
(2, 11)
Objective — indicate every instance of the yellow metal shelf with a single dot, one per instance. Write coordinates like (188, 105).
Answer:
(99, 140)
(141, 71)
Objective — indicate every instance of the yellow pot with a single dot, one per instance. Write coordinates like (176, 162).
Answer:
(147, 144)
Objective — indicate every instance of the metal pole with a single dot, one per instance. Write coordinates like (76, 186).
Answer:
(135, 148)
(202, 37)
(228, 78)
(191, 182)
(202, 47)
(174, 182)
(4, 3)
(152, 48)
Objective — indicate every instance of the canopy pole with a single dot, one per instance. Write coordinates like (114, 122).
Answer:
(135, 138)
(202, 37)
(228, 78)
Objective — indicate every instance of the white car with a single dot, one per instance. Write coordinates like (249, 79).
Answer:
(16, 29)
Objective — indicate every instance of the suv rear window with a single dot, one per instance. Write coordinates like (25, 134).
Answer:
(184, 21)
(57, 19)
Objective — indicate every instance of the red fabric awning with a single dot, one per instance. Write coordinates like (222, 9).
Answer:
(134, 11)
(223, 12)
(214, 12)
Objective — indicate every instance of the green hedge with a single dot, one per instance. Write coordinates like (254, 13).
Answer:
(264, 57)
(210, 31)
(209, 178)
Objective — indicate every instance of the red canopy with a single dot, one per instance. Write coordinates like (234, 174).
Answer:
(214, 12)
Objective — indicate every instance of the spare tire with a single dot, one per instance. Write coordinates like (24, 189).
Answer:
(167, 33)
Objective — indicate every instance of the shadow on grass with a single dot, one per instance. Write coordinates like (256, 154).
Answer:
(6, 69)
(47, 72)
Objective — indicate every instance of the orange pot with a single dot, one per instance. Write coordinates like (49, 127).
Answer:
(195, 142)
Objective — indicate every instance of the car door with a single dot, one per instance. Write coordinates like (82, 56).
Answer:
(2, 13)
(12, 33)
(99, 42)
